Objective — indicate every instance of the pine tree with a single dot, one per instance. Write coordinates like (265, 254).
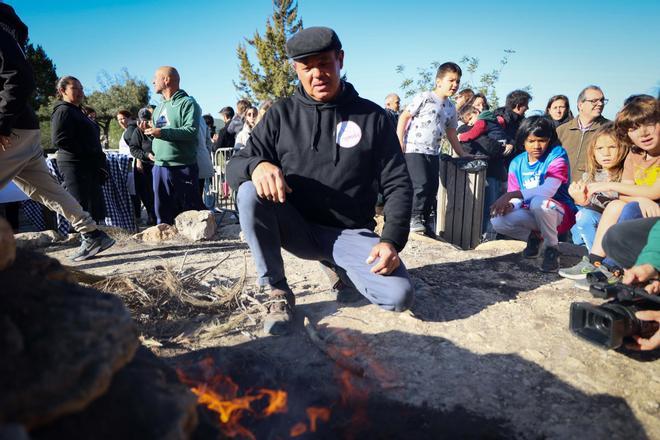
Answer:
(274, 76)
(45, 75)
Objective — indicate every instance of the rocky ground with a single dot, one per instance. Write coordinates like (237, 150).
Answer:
(488, 334)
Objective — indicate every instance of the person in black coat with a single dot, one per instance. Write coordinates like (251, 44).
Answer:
(307, 182)
(80, 157)
(140, 146)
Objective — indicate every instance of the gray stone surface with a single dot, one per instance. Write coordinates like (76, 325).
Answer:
(196, 225)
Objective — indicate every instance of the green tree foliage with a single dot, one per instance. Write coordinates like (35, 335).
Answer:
(45, 75)
(484, 83)
(119, 92)
(274, 76)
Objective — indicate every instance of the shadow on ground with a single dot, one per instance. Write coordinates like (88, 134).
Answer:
(449, 392)
(450, 291)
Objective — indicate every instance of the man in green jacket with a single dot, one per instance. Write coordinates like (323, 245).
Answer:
(576, 134)
(174, 128)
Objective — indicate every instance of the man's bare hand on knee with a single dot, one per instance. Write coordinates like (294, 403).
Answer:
(269, 182)
(388, 259)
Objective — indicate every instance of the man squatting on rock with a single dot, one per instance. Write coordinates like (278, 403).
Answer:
(308, 180)
(21, 156)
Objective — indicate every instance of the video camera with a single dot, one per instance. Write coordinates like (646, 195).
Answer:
(608, 324)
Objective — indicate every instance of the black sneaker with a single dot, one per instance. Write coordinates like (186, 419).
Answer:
(533, 248)
(281, 308)
(92, 243)
(416, 224)
(550, 260)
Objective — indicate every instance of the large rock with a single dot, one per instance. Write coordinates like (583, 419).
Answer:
(196, 225)
(145, 401)
(36, 240)
(158, 233)
(7, 245)
(60, 343)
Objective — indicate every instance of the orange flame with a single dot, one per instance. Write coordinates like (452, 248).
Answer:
(298, 429)
(315, 413)
(220, 394)
(276, 402)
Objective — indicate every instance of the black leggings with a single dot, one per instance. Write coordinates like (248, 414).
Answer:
(83, 181)
(624, 241)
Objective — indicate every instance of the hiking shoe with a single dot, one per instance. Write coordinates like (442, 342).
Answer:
(281, 306)
(579, 271)
(417, 225)
(533, 248)
(92, 243)
(601, 274)
(550, 259)
(344, 292)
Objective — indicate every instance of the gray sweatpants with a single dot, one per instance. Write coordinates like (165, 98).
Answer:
(269, 226)
(543, 215)
(24, 163)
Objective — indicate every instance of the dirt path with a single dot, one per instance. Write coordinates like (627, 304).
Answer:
(488, 333)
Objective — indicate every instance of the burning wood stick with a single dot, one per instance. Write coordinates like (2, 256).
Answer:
(331, 351)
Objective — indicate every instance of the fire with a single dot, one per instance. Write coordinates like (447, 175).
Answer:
(221, 395)
(314, 413)
(298, 429)
(276, 402)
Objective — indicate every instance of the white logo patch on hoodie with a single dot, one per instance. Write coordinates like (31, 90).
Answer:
(348, 134)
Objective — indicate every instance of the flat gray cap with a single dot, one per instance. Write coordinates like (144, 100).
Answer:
(311, 41)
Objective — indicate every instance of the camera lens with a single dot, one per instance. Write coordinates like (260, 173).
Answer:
(598, 322)
(603, 323)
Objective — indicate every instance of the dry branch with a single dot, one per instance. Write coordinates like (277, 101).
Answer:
(331, 351)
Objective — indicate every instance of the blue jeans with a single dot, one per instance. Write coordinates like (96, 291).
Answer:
(630, 212)
(584, 230)
(492, 191)
(269, 227)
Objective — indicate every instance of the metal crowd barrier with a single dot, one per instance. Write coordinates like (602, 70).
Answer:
(225, 197)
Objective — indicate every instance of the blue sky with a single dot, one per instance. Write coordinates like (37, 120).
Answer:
(561, 46)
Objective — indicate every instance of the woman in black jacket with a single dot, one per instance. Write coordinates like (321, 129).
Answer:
(80, 157)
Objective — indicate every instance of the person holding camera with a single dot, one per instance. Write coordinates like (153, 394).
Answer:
(635, 245)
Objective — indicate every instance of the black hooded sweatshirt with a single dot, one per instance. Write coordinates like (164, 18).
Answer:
(334, 156)
(76, 137)
(16, 83)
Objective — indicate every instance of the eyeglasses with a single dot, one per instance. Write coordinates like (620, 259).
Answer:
(596, 101)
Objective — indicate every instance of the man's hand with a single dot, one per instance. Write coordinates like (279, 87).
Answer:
(508, 148)
(502, 206)
(143, 125)
(151, 157)
(5, 142)
(155, 132)
(653, 342)
(388, 259)
(215, 137)
(138, 164)
(641, 274)
(269, 182)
